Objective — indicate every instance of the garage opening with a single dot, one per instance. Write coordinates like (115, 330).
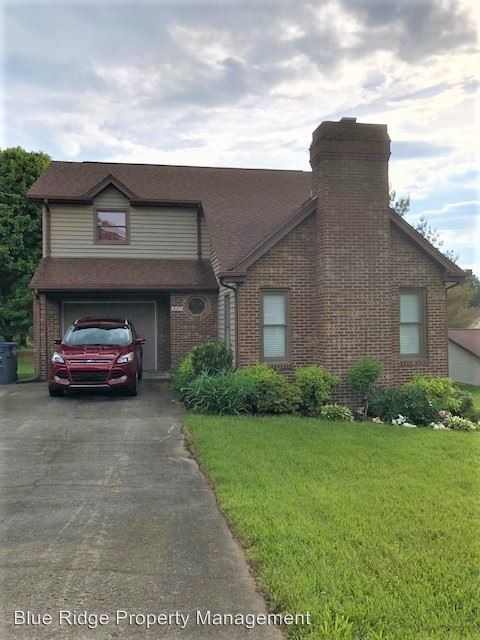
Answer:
(146, 315)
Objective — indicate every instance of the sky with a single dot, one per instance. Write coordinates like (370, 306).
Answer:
(244, 83)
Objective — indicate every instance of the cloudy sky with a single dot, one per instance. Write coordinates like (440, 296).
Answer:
(244, 83)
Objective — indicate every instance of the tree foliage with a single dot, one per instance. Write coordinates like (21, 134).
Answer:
(464, 303)
(401, 206)
(20, 237)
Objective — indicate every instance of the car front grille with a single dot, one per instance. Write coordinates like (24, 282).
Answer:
(92, 361)
(88, 377)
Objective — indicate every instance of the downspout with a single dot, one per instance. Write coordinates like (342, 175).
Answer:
(237, 342)
(47, 229)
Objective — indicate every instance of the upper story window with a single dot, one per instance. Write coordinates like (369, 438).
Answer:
(412, 324)
(275, 326)
(111, 227)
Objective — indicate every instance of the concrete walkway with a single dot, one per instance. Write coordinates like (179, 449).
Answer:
(103, 510)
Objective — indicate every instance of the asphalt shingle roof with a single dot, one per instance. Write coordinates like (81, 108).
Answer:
(123, 274)
(241, 206)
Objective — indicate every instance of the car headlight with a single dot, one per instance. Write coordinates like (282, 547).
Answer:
(57, 358)
(128, 357)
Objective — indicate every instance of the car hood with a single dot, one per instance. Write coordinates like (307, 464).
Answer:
(88, 352)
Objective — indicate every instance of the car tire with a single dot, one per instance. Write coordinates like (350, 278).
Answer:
(54, 392)
(132, 390)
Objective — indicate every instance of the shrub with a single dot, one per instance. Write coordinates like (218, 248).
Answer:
(466, 404)
(272, 391)
(222, 394)
(211, 358)
(315, 384)
(442, 389)
(336, 412)
(363, 376)
(182, 377)
(460, 424)
(453, 398)
(412, 403)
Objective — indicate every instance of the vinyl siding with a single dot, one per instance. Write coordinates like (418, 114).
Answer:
(462, 365)
(154, 232)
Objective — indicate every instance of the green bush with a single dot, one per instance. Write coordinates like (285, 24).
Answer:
(440, 388)
(364, 375)
(460, 424)
(413, 403)
(272, 391)
(211, 358)
(445, 391)
(336, 412)
(182, 376)
(315, 384)
(466, 404)
(227, 393)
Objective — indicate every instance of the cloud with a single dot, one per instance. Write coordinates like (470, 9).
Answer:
(226, 82)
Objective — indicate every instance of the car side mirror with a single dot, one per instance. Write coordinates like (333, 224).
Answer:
(139, 340)
(58, 341)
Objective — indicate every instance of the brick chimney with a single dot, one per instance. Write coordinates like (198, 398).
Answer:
(349, 164)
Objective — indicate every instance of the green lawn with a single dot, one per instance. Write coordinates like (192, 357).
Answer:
(25, 368)
(371, 528)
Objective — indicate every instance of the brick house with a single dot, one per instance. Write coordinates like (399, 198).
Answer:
(289, 267)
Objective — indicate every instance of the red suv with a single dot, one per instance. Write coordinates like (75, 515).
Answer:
(97, 353)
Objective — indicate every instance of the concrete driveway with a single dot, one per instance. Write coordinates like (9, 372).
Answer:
(103, 510)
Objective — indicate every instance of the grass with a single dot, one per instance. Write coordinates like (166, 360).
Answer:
(25, 367)
(371, 528)
(475, 391)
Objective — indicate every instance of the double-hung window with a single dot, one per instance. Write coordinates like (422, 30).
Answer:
(111, 227)
(274, 317)
(412, 324)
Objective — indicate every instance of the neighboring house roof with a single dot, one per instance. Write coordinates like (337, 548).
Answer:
(248, 210)
(468, 339)
(242, 206)
(88, 274)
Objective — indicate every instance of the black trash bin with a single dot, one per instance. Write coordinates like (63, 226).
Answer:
(8, 362)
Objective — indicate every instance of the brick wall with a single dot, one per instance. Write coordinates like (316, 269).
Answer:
(46, 316)
(288, 265)
(411, 268)
(344, 268)
(187, 330)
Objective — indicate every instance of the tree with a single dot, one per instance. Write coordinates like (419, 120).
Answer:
(20, 237)
(401, 206)
(461, 303)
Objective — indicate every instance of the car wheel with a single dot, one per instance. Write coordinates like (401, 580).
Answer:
(54, 392)
(132, 390)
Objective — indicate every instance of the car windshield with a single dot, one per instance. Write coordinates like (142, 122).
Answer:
(95, 335)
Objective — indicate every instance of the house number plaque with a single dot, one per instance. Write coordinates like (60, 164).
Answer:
(177, 307)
